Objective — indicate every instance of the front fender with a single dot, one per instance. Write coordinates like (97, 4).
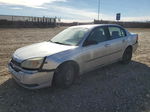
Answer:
(50, 63)
(53, 61)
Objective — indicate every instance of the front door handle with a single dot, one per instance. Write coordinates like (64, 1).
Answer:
(123, 41)
(107, 45)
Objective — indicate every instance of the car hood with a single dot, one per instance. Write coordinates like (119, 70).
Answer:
(40, 50)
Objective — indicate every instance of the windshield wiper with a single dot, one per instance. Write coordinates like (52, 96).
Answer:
(60, 43)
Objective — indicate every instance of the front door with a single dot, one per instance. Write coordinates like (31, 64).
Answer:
(94, 49)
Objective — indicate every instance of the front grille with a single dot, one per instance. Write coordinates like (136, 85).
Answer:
(15, 62)
(15, 65)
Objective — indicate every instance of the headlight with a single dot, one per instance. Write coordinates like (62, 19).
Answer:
(34, 63)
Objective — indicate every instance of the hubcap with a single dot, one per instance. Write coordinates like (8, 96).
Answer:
(128, 55)
(69, 76)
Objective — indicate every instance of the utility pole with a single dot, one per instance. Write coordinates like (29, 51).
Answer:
(98, 8)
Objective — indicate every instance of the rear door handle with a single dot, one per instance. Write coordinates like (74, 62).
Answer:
(107, 45)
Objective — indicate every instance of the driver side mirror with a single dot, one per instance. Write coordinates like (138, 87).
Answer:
(89, 42)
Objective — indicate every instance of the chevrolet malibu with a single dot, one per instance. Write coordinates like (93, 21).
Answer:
(70, 53)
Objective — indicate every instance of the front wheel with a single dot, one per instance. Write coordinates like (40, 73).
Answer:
(127, 55)
(64, 76)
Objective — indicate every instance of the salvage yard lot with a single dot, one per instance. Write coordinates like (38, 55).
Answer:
(115, 88)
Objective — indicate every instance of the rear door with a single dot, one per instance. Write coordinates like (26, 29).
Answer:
(117, 42)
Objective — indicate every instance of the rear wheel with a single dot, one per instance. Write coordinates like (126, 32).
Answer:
(64, 76)
(127, 55)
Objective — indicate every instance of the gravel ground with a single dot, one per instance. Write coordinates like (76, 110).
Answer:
(114, 88)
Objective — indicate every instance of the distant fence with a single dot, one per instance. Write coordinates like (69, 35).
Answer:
(125, 24)
(26, 21)
(9, 21)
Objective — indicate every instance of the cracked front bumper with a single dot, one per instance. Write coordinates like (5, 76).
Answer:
(32, 79)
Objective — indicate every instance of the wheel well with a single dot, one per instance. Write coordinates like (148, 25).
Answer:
(75, 64)
(129, 47)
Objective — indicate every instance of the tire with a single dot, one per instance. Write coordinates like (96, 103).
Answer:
(65, 75)
(127, 55)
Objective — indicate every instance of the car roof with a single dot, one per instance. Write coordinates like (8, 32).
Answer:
(91, 26)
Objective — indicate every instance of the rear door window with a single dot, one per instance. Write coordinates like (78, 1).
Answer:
(116, 32)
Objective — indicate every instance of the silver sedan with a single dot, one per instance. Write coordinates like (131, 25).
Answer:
(70, 53)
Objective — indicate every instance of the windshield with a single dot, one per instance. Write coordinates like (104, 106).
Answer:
(70, 36)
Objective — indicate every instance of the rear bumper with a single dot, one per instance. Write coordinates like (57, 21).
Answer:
(32, 80)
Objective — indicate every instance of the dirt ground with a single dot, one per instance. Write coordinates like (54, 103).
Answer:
(115, 88)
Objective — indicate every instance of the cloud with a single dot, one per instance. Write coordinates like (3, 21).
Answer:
(71, 13)
(56, 10)
(86, 15)
(89, 16)
(16, 8)
(143, 18)
(29, 3)
(67, 13)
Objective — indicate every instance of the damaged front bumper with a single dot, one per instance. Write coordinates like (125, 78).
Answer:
(31, 79)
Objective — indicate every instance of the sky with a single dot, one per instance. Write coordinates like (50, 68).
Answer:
(78, 10)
